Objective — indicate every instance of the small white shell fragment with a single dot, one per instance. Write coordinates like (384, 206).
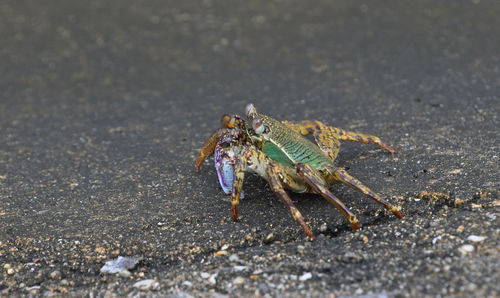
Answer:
(465, 249)
(147, 284)
(238, 281)
(120, 264)
(205, 275)
(475, 238)
(305, 276)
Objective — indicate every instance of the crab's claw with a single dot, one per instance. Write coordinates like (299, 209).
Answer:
(225, 169)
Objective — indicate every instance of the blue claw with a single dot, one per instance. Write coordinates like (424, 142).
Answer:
(225, 170)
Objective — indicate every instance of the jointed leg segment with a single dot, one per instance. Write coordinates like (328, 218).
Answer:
(313, 178)
(273, 178)
(344, 177)
(254, 159)
(328, 137)
(209, 147)
(239, 175)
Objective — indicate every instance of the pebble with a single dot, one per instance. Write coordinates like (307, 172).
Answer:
(240, 268)
(323, 228)
(209, 277)
(300, 249)
(205, 275)
(147, 284)
(465, 249)
(269, 238)
(238, 281)
(263, 287)
(55, 275)
(234, 258)
(119, 264)
(475, 238)
(125, 273)
(305, 276)
(212, 280)
(33, 288)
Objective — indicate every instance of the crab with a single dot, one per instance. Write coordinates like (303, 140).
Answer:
(279, 152)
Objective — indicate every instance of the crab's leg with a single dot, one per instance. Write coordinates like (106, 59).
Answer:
(328, 137)
(209, 147)
(362, 138)
(273, 178)
(344, 177)
(250, 158)
(240, 168)
(313, 178)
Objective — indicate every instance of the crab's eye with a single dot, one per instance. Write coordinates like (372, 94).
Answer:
(257, 126)
(250, 110)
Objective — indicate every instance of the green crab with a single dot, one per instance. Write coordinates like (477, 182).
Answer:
(279, 152)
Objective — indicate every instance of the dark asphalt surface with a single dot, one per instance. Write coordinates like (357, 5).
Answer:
(105, 104)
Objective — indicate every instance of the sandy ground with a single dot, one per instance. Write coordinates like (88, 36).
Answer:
(105, 104)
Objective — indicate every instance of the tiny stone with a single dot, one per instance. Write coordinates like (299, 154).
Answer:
(187, 284)
(238, 281)
(205, 275)
(147, 284)
(10, 271)
(475, 238)
(323, 228)
(465, 249)
(119, 264)
(263, 287)
(240, 268)
(55, 275)
(269, 238)
(300, 249)
(125, 273)
(305, 276)
(212, 280)
(6, 266)
(234, 258)
(471, 287)
(33, 288)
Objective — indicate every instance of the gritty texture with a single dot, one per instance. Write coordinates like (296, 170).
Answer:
(105, 104)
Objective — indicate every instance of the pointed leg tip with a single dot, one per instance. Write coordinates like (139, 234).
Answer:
(309, 234)
(395, 211)
(355, 226)
(198, 165)
(388, 148)
(234, 211)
